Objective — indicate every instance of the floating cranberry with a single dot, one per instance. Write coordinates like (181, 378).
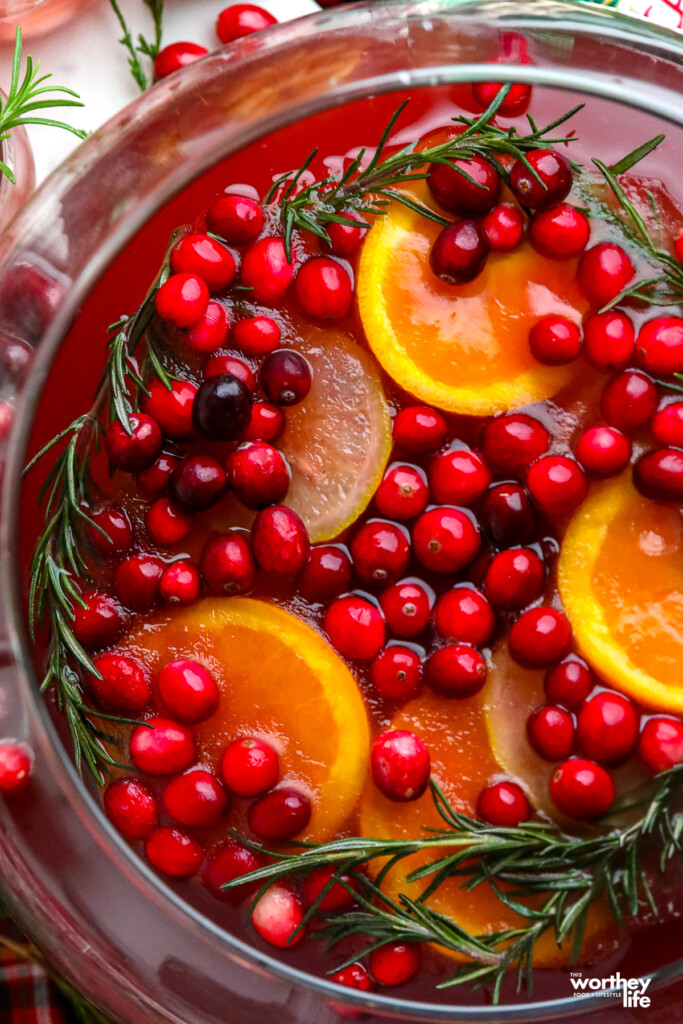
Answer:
(135, 451)
(227, 564)
(258, 474)
(353, 975)
(221, 364)
(400, 765)
(210, 331)
(445, 539)
(629, 401)
(241, 20)
(136, 581)
(551, 732)
(355, 627)
(280, 541)
(396, 672)
(172, 409)
(153, 481)
(659, 474)
(237, 219)
(227, 862)
(457, 192)
(100, 621)
(554, 172)
(459, 253)
(285, 377)
(458, 477)
(198, 482)
(508, 517)
(396, 963)
(608, 728)
(504, 227)
(661, 744)
(182, 300)
(324, 289)
(280, 815)
(168, 522)
(555, 340)
(180, 583)
(176, 56)
(514, 578)
(557, 484)
(559, 232)
(15, 767)
(188, 691)
(277, 916)
(124, 683)
(514, 440)
(660, 345)
(174, 852)
(403, 493)
(337, 897)
(327, 573)
(604, 271)
(514, 103)
(603, 451)
(407, 607)
(222, 408)
(539, 637)
(464, 614)
(250, 766)
(161, 747)
(267, 271)
(256, 335)
(419, 429)
(380, 552)
(503, 804)
(207, 258)
(569, 683)
(196, 798)
(609, 340)
(667, 426)
(113, 533)
(345, 238)
(582, 789)
(131, 808)
(456, 670)
(267, 423)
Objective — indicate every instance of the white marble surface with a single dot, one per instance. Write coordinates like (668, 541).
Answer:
(85, 55)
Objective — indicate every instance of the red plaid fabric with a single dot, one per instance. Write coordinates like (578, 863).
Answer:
(27, 996)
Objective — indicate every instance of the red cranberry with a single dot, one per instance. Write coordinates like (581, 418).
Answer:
(171, 409)
(445, 539)
(277, 916)
(241, 20)
(196, 799)
(198, 482)
(327, 574)
(135, 451)
(336, 898)
(267, 423)
(464, 614)
(557, 484)
(237, 219)
(603, 451)
(207, 258)
(604, 271)
(280, 815)
(380, 552)
(176, 56)
(250, 766)
(406, 607)
(609, 340)
(324, 289)
(15, 768)
(395, 963)
(345, 238)
(419, 429)
(539, 637)
(222, 408)
(660, 345)
(403, 493)
(153, 481)
(182, 300)
(458, 477)
(456, 670)
(167, 522)
(629, 400)
(661, 744)
(210, 331)
(285, 377)
(554, 340)
(659, 474)
(256, 335)
(100, 622)
(582, 789)
(459, 252)
(456, 193)
(400, 765)
(131, 808)
(569, 683)
(667, 426)
(395, 673)
(504, 804)
(559, 232)
(117, 530)
(514, 578)
(258, 474)
(226, 863)
(355, 627)
(124, 683)
(280, 541)
(188, 691)
(354, 975)
(136, 581)
(508, 516)
(554, 172)
(504, 227)
(514, 440)
(161, 747)
(551, 732)
(227, 564)
(174, 852)
(180, 583)
(267, 271)
(516, 101)
(608, 728)
(222, 364)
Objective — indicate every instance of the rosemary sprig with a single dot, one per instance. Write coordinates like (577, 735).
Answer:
(29, 94)
(143, 46)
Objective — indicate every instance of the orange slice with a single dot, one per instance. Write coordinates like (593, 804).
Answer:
(464, 348)
(619, 576)
(278, 680)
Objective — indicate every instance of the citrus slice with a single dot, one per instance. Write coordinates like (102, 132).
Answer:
(278, 680)
(463, 348)
(619, 575)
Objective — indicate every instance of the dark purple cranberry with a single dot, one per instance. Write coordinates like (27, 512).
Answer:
(285, 377)
(198, 482)
(460, 252)
(222, 408)
(508, 515)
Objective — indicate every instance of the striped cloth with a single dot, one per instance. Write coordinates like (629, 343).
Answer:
(27, 996)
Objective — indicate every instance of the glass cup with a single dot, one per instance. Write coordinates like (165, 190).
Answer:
(36, 16)
(119, 933)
